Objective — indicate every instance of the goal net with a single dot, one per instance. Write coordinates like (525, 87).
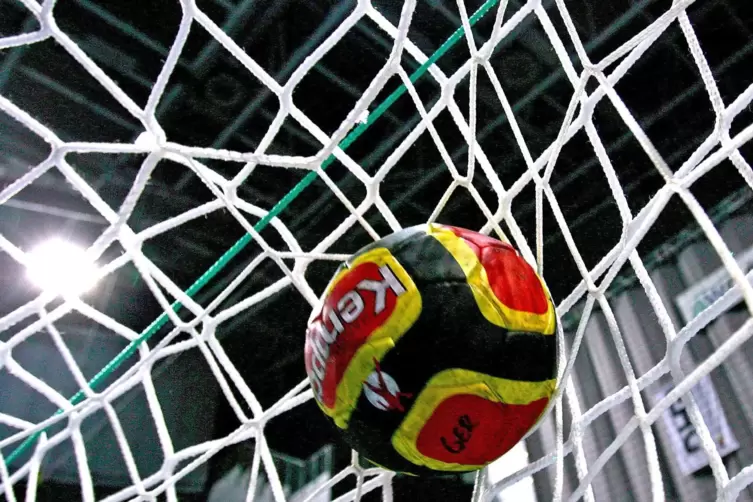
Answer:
(181, 179)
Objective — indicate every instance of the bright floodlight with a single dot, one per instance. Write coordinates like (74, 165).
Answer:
(61, 267)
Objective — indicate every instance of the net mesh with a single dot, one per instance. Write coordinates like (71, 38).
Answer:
(192, 324)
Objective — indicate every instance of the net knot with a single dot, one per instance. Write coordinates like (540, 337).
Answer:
(75, 419)
(479, 58)
(147, 141)
(207, 331)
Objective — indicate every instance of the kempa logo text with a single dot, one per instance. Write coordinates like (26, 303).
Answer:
(349, 308)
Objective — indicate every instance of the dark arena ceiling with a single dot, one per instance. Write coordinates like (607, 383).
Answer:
(211, 100)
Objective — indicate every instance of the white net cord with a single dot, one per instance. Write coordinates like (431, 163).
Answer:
(194, 328)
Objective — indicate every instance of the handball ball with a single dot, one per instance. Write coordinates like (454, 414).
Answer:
(434, 350)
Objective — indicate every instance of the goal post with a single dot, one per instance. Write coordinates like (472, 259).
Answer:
(633, 205)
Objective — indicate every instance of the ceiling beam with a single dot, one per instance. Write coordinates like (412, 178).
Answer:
(14, 55)
(51, 210)
(629, 187)
(123, 27)
(78, 98)
(646, 123)
(535, 93)
(315, 212)
(233, 23)
(335, 16)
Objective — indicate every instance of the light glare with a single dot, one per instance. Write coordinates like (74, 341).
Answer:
(61, 267)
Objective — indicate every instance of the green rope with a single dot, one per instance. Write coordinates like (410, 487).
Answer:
(274, 212)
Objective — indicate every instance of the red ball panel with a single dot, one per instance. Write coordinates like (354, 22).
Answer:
(469, 430)
(479, 240)
(354, 333)
(512, 279)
